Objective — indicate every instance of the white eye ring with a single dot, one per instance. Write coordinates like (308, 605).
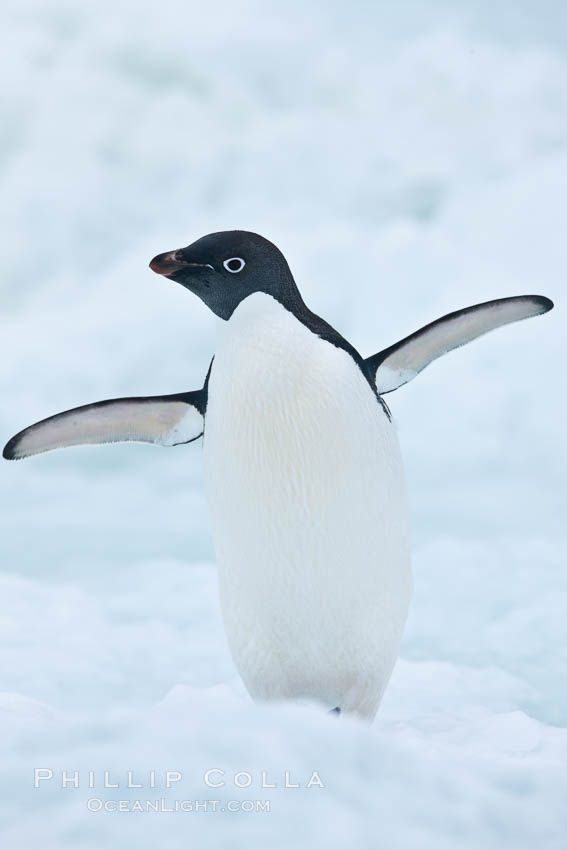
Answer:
(238, 260)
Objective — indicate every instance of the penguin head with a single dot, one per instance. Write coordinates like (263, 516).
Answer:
(225, 268)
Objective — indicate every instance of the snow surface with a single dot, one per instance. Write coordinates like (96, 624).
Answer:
(409, 159)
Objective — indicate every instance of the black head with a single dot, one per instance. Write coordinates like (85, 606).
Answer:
(224, 268)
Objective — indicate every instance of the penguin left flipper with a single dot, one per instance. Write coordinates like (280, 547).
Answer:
(395, 366)
(166, 420)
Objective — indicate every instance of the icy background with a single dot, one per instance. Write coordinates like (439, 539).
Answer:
(409, 159)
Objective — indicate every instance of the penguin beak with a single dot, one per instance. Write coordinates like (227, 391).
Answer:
(174, 261)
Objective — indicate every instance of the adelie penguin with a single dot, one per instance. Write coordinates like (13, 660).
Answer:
(303, 471)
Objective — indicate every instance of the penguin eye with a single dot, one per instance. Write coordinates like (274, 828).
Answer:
(234, 264)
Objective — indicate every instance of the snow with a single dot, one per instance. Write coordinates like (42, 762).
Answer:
(409, 162)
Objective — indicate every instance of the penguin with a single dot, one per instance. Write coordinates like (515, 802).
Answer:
(303, 471)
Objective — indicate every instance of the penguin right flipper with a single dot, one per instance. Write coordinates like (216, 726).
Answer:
(395, 366)
(166, 420)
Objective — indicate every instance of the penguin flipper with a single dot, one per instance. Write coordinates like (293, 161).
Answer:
(395, 366)
(166, 420)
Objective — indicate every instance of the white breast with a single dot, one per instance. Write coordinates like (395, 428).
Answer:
(307, 499)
